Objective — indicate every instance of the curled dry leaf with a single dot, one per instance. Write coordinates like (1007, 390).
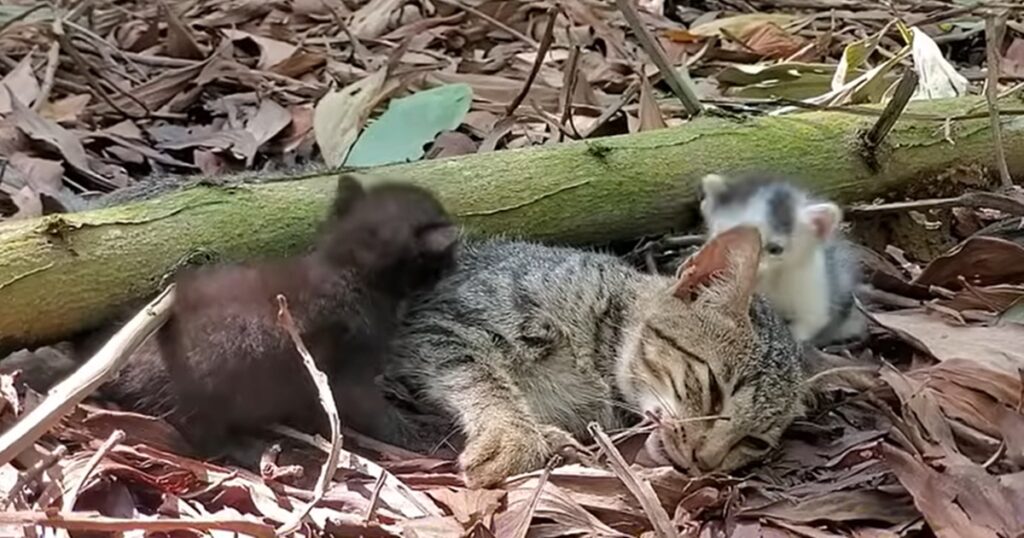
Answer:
(997, 347)
(738, 24)
(272, 51)
(340, 115)
(937, 78)
(983, 261)
(20, 82)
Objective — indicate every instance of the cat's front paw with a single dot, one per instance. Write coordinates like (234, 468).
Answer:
(498, 453)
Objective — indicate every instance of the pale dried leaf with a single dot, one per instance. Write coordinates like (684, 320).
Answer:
(937, 78)
(339, 116)
(22, 83)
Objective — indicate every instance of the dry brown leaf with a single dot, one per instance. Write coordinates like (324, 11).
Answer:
(339, 116)
(371, 21)
(1013, 62)
(768, 39)
(298, 64)
(650, 114)
(269, 121)
(181, 42)
(28, 203)
(22, 83)
(451, 144)
(983, 261)
(43, 175)
(858, 505)
(997, 347)
(66, 110)
(555, 504)
(469, 507)
(56, 137)
(272, 51)
(738, 24)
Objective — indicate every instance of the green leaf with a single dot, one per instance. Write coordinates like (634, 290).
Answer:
(8, 13)
(400, 133)
(1013, 314)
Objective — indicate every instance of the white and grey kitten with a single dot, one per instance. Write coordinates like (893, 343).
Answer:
(808, 271)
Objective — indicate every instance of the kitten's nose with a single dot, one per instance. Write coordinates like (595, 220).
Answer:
(707, 460)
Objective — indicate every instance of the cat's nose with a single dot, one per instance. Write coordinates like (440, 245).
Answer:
(707, 460)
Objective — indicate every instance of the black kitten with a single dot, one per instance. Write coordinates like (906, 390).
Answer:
(223, 363)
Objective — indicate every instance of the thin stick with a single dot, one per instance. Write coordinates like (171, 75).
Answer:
(522, 527)
(641, 489)
(677, 79)
(34, 472)
(72, 496)
(570, 76)
(613, 109)
(49, 75)
(103, 365)
(995, 25)
(545, 44)
(891, 114)
(371, 511)
(497, 24)
(988, 200)
(323, 388)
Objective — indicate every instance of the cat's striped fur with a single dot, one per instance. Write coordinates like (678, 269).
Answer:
(524, 345)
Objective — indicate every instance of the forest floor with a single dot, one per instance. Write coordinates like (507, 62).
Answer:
(103, 93)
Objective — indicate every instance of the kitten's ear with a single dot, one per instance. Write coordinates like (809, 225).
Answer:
(438, 240)
(711, 185)
(823, 218)
(348, 191)
(725, 268)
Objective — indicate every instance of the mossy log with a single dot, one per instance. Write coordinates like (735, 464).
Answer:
(64, 273)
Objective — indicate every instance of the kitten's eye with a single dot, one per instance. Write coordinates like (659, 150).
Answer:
(756, 444)
(773, 249)
(716, 394)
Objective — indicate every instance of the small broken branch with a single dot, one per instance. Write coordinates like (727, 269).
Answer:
(995, 26)
(72, 497)
(641, 489)
(542, 52)
(677, 79)
(323, 388)
(103, 365)
(987, 200)
(891, 114)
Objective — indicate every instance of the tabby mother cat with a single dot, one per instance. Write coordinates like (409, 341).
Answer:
(524, 345)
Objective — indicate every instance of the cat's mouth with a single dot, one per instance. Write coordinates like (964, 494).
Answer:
(656, 451)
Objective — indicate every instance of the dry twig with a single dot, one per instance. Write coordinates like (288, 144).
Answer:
(995, 26)
(323, 388)
(677, 79)
(72, 496)
(68, 393)
(641, 489)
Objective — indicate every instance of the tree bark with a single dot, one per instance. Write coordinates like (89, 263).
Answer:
(64, 273)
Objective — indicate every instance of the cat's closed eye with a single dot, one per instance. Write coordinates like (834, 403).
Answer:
(755, 444)
(717, 394)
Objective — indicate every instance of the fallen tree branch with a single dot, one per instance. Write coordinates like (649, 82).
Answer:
(62, 274)
(68, 393)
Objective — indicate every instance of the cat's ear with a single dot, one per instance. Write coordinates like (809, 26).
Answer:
(712, 185)
(437, 240)
(347, 192)
(724, 269)
(823, 219)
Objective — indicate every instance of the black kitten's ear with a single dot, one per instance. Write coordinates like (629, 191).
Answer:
(438, 239)
(349, 190)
